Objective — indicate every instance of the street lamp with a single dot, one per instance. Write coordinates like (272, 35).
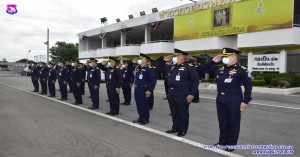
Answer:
(27, 55)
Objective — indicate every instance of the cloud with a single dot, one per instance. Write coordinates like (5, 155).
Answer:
(26, 30)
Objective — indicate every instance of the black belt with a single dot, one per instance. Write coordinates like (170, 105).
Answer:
(140, 85)
(178, 87)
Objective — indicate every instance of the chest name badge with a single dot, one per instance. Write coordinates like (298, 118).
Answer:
(228, 80)
(91, 75)
(141, 76)
(177, 78)
(110, 76)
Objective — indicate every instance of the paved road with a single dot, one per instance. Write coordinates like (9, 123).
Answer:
(261, 124)
(45, 128)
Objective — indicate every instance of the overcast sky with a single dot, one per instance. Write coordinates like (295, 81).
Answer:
(27, 29)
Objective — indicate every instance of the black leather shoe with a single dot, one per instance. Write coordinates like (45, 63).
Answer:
(143, 122)
(114, 114)
(106, 100)
(171, 131)
(165, 98)
(181, 134)
(136, 121)
(109, 113)
(76, 103)
(195, 101)
(62, 99)
(229, 150)
(51, 96)
(93, 108)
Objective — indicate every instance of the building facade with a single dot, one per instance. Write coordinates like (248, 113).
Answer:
(267, 32)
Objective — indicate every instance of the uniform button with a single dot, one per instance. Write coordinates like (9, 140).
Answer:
(222, 93)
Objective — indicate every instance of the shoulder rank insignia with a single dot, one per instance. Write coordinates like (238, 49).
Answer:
(243, 67)
(221, 68)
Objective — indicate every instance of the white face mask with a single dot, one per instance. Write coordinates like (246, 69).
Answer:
(90, 64)
(139, 62)
(108, 64)
(226, 61)
(174, 60)
(49, 66)
(123, 66)
(73, 64)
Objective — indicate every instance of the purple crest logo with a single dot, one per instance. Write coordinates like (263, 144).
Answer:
(11, 9)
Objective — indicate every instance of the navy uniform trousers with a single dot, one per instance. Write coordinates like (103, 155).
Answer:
(63, 89)
(44, 85)
(229, 116)
(142, 102)
(179, 108)
(94, 94)
(113, 97)
(127, 92)
(76, 92)
(35, 82)
(51, 87)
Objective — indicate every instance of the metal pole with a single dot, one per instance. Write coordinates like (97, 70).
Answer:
(27, 56)
(47, 45)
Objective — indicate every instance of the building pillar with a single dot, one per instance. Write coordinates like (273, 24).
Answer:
(250, 62)
(87, 45)
(104, 43)
(207, 74)
(147, 35)
(123, 39)
(283, 61)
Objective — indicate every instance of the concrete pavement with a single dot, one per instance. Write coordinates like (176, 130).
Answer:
(261, 124)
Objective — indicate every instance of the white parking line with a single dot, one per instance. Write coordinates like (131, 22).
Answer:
(252, 103)
(187, 141)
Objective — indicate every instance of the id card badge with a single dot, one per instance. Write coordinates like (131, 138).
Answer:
(59, 74)
(91, 75)
(123, 75)
(177, 78)
(228, 80)
(49, 74)
(141, 76)
(109, 76)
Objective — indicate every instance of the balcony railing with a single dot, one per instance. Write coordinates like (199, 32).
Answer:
(159, 41)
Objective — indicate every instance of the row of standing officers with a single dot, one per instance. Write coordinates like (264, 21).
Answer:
(181, 84)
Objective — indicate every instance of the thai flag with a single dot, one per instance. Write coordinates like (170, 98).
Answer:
(153, 25)
(81, 38)
(102, 35)
(126, 30)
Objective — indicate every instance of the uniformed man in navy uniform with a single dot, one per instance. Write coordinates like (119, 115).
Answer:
(151, 98)
(94, 79)
(230, 99)
(70, 69)
(195, 63)
(144, 84)
(63, 78)
(114, 84)
(165, 66)
(76, 78)
(52, 76)
(183, 82)
(35, 77)
(43, 78)
(83, 72)
(127, 81)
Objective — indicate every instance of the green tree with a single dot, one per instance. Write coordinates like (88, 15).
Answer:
(63, 51)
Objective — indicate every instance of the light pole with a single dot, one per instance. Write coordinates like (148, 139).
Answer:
(27, 55)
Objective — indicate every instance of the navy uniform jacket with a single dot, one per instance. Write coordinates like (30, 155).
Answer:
(127, 75)
(230, 79)
(145, 77)
(184, 75)
(44, 73)
(198, 68)
(63, 74)
(114, 77)
(83, 72)
(94, 76)
(52, 75)
(76, 75)
(36, 71)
